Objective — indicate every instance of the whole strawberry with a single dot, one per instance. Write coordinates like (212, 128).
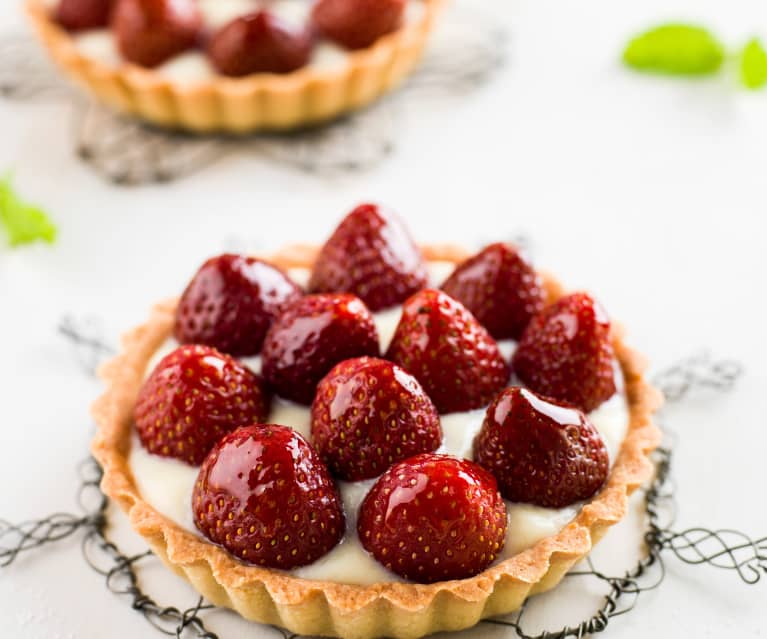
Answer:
(193, 397)
(449, 352)
(434, 518)
(368, 414)
(80, 15)
(150, 32)
(265, 496)
(231, 302)
(259, 43)
(565, 353)
(500, 287)
(357, 24)
(311, 337)
(541, 452)
(371, 255)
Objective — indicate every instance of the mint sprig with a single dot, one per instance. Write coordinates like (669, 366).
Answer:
(675, 49)
(24, 223)
(692, 50)
(753, 65)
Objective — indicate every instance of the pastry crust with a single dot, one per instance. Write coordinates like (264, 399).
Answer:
(401, 610)
(243, 105)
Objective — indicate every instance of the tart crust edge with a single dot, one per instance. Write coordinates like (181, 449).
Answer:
(394, 609)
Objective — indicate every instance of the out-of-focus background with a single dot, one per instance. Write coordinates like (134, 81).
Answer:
(648, 191)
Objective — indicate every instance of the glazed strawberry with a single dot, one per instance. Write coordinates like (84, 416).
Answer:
(311, 337)
(193, 397)
(265, 496)
(368, 414)
(371, 255)
(80, 15)
(500, 287)
(356, 24)
(449, 352)
(434, 518)
(231, 302)
(259, 43)
(565, 353)
(539, 451)
(150, 32)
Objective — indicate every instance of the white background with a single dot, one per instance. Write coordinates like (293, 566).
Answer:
(649, 192)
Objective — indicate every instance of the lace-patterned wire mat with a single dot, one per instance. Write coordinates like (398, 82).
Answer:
(466, 49)
(729, 550)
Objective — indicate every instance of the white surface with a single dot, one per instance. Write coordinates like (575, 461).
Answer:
(649, 192)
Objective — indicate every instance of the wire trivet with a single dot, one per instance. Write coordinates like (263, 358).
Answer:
(467, 48)
(726, 549)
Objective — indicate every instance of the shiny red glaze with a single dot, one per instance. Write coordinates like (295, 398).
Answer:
(80, 15)
(449, 352)
(357, 24)
(501, 289)
(311, 337)
(150, 32)
(372, 255)
(434, 518)
(259, 43)
(231, 302)
(193, 397)
(565, 353)
(541, 452)
(265, 496)
(368, 414)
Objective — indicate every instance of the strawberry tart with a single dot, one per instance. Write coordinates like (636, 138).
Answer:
(373, 439)
(235, 65)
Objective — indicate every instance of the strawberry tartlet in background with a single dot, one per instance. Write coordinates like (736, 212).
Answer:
(235, 65)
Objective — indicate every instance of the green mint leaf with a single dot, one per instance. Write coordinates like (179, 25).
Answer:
(24, 223)
(676, 49)
(753, 65)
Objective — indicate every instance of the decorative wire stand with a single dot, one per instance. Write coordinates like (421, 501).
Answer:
(726, 549)
(467, 48)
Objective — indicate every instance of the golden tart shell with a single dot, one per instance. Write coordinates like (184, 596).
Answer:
(400, 610)
(242, 105)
